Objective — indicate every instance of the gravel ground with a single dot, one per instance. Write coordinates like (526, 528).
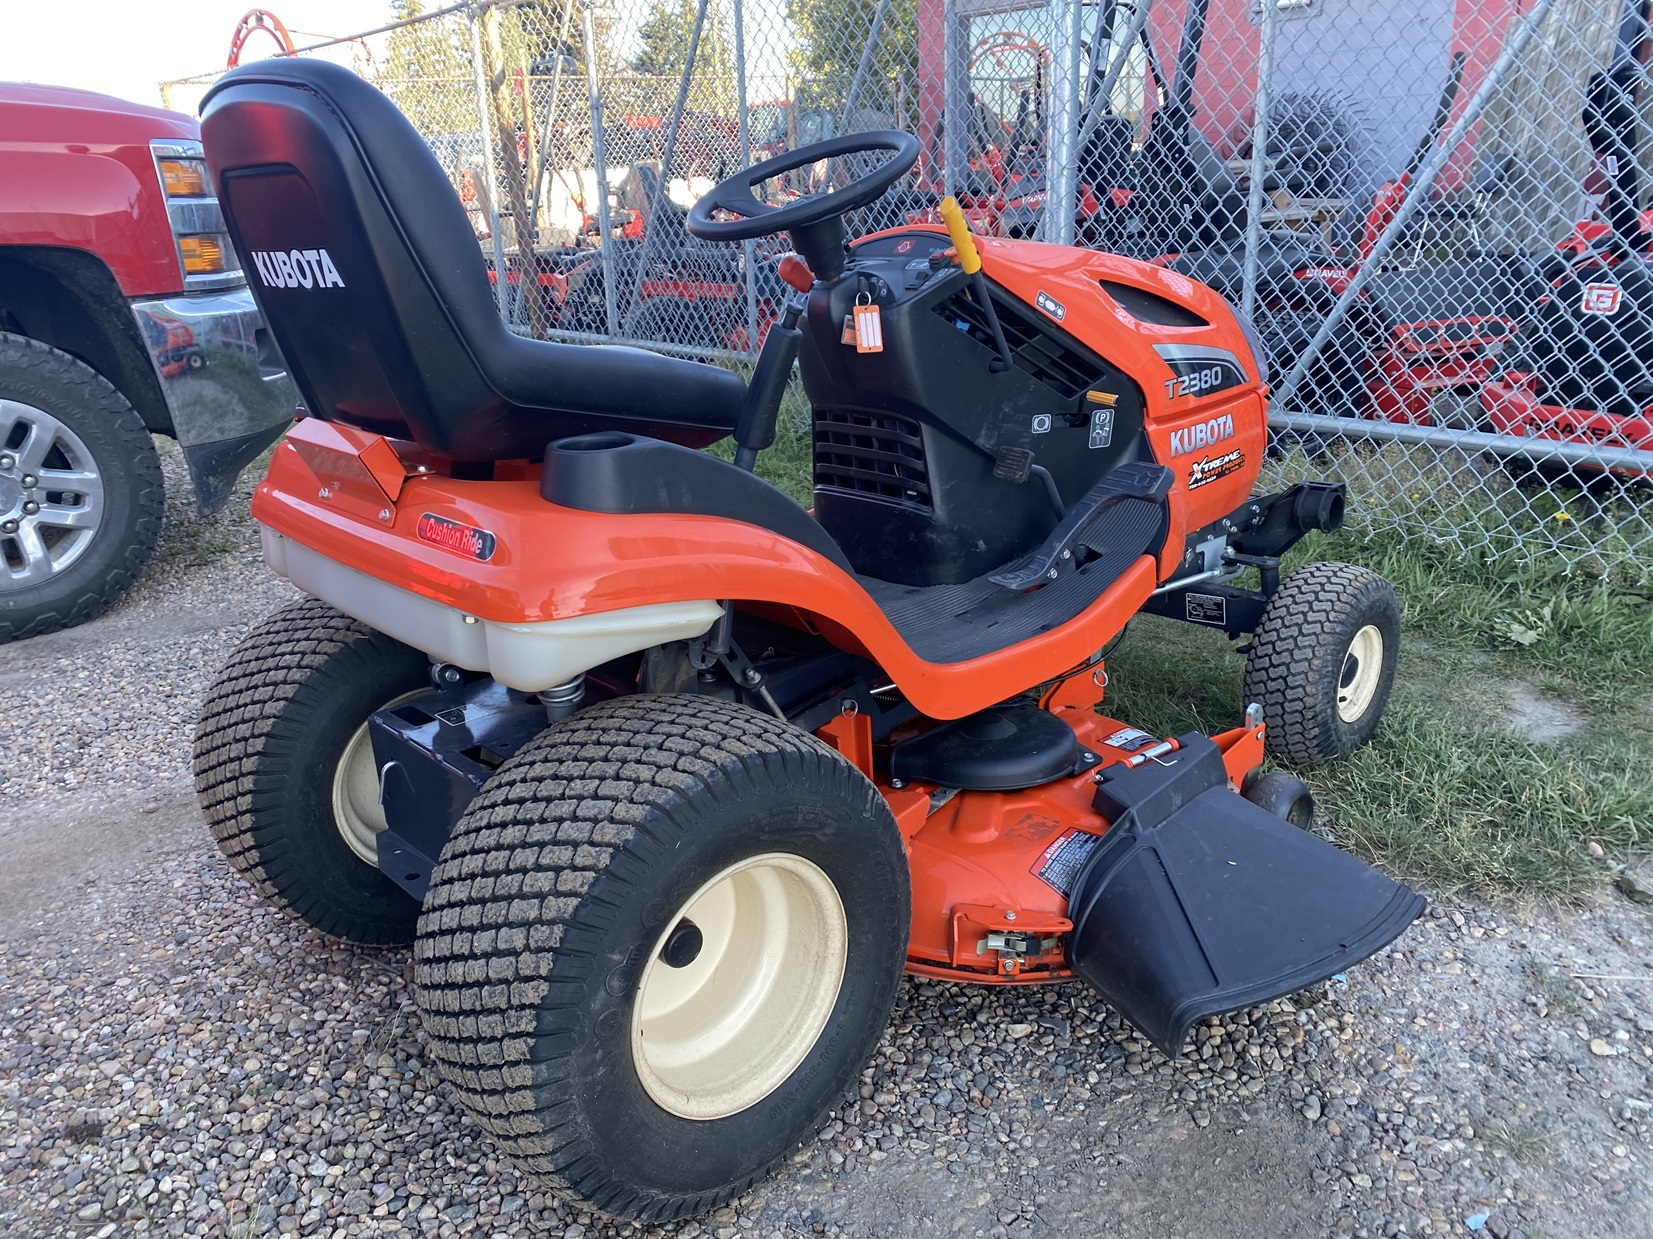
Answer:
(176, 1059)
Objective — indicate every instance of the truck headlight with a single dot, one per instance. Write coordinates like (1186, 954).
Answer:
(207, 259)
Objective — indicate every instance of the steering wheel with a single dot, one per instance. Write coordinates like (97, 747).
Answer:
(815, 220)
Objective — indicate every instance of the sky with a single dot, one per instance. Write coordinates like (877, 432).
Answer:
(126, 47)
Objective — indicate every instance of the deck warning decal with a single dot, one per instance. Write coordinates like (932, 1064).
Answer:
(1059, 864)
(1206, 609)
(1130, 739)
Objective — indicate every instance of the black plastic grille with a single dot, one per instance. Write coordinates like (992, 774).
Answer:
(1035, 350)
(872, 454)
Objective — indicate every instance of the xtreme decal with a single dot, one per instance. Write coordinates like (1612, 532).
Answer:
(1208, 469)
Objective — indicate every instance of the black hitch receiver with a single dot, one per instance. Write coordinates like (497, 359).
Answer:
(1256, 534)
(1198, 902)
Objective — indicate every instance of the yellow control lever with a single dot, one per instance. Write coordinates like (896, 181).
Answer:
(959, 231)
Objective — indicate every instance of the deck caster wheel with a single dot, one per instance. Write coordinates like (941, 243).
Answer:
(284, 769)
(661, 943)
(1284, 795)
(1322, 661)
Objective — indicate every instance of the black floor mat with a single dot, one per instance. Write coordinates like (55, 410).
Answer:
(955, 623)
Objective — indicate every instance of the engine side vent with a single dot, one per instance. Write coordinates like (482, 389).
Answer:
(1147, 307)
(1035, 350)
(872, 454)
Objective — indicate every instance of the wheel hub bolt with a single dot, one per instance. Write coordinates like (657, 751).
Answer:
(683, 945)
(6, 462)
(8, 526)
(30, 508)
(29, 481)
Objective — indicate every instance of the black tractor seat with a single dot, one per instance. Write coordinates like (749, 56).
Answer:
(371, 279)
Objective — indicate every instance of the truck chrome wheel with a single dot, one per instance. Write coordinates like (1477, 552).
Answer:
(51, 498)
(739, 987)
(1361, 674)
(356, 808)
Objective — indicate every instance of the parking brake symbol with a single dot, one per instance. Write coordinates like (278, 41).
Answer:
(1101, 427)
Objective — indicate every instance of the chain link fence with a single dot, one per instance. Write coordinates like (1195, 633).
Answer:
(1431, 210)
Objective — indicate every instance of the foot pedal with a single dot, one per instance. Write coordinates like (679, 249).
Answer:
(1086, 523)
(1013, 464)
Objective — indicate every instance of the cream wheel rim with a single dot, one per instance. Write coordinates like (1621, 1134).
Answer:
(739, 986)
(356, 808)
(1357, 681)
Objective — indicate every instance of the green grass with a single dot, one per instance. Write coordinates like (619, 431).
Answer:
(1524, 1144)
(1446, 792)
(1592, 635)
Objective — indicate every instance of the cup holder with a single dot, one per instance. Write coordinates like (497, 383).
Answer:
(600, 441)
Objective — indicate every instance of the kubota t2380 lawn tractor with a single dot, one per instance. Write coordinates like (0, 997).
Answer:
(669, 780)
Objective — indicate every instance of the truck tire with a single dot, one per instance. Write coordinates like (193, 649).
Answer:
(285, 776)
(1322, 661)
(661, 943)
(81, 497)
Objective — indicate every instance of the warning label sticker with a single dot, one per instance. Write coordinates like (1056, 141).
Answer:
(1129, 739)
(1059, 864)
(1206, 609)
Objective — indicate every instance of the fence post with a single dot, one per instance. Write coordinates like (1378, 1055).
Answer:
(1416, 197)
(668, 152)
(864, 65)
(1062, 166)
(1259, 157)
(955, 97)
(484, 131)
(599, 156)
(1102, 99)
(548, 128)
(748, 249)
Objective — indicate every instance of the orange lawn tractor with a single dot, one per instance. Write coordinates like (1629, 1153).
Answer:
(669, 780)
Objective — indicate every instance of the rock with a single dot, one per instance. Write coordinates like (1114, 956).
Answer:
(1633, 886)
(1311, 1107)
(1017, 1031)
(1600, 1048)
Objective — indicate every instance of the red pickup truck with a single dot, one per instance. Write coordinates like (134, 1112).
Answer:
(123, 313)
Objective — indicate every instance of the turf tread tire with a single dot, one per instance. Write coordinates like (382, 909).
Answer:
(1296, 656)
(249, 759)
(54, 381)
(537, 869)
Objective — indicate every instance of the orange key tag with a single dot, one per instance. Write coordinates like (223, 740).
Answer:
(869, 328)
(849, 336)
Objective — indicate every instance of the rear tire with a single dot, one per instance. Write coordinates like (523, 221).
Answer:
(641, 1051)
(279, 754)
(76, 451)
(1322, 661)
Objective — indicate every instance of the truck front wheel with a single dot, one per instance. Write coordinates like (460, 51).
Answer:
(81, 498)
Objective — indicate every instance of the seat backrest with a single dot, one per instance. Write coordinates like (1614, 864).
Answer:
(370, 277)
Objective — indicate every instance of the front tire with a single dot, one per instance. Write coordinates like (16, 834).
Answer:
(81, 497)
(285, 774)
(1322, 661)
(659, 945)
